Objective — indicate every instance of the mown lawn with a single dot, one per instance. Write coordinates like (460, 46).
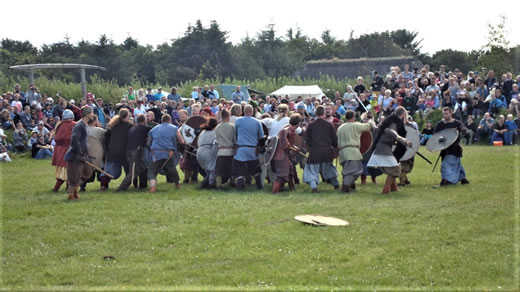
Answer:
(461, 237)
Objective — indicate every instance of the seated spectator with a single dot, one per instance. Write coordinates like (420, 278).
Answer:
(47, 111)
(4, 155)
(26, 118)
(50, 123)
(472, 130)
(512, 129)
(32, 140)
(19, 138)
(41, 130)
(427, 133)
(499, 129)
(485, 127)
(41, 149)
(497, 102)
(5, 120)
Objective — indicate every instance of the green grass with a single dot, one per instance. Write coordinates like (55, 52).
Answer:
(454, 238)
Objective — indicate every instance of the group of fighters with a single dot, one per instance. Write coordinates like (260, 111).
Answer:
(231, 149)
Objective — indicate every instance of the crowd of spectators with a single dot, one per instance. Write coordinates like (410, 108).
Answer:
(487, 105)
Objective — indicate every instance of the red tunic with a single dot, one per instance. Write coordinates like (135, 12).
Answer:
(62, 139)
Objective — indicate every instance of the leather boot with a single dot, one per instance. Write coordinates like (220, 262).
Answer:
(346, 188)
(58, 184)
(104, 183)
(363, 179)
(353, 187)
(276, 187)
(393, 186)
(187, 175)
(374, 180)
(388, 183)
(291, 184)
(402, 180)
(76, 195)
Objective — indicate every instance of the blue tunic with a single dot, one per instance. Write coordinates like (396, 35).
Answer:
(164, 139)
(248, 131)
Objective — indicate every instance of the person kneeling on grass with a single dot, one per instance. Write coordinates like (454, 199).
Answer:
(163, 140)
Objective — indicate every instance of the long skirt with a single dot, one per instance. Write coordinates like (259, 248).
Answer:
(452, 169)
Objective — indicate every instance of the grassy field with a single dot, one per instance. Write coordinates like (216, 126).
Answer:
(454, 238)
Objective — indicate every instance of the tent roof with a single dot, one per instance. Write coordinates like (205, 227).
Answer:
(304, 91)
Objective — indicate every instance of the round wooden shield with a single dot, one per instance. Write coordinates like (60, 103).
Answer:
(270, 149)
(366, 141)
(95, 150)
(411, 135)
(450, 135)
(320, 220)
(189, 128)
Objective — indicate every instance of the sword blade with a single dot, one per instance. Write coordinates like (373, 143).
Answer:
(423, 157)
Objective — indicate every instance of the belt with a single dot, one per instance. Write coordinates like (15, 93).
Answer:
(226, 147)
(346, 146)
(250, 146)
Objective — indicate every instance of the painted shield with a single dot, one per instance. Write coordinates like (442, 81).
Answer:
(191, 128)
(320, 220)
(411, 135)
(272, 143)
(442, 139)
(95, 150)
(366, 141)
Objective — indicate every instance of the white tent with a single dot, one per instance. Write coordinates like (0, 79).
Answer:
(304, 91)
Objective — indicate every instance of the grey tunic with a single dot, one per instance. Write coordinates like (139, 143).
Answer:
(226, 139)
(207, 151)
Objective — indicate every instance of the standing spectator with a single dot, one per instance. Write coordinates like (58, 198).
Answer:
(213, 93)
(507, 86)
(360, 87)
(159, 95)
(139, 109)
(130, 95)
(32, 95)
(174, 95)
(149, 95)
(472, 130)
(17, 89)
(512, 128)
(195, 93)
(237, 96)
(490, 80)
(377, 83)
(18, 103)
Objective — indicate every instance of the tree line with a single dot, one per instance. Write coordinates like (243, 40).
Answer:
(206, 53)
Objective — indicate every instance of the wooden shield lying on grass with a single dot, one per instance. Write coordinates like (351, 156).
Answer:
(320, 220)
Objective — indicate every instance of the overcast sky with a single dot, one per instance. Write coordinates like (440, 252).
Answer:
(459, 25)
